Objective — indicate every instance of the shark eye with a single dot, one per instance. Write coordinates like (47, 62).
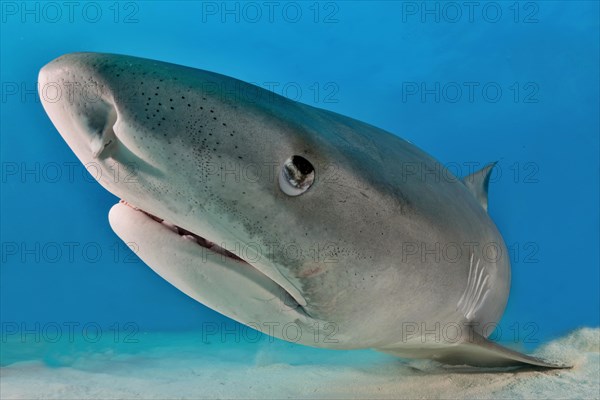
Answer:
(297, 175)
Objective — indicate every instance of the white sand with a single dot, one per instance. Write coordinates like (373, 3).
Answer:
(176, 366)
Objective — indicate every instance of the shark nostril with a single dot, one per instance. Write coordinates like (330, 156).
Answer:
(99, 119)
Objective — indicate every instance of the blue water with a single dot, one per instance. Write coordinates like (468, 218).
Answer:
(513, 82)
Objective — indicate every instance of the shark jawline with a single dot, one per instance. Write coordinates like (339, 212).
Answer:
(214, 248)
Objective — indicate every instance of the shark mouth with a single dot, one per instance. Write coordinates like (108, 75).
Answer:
(205, 243)
(229, 259)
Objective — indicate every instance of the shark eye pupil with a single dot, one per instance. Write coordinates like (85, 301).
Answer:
(303, 165)
(297, 175)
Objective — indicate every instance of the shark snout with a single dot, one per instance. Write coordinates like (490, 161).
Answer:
(79, 103)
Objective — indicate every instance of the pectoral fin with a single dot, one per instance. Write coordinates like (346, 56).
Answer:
(481, 352)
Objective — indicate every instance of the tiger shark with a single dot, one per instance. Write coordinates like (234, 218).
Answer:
(301, 223)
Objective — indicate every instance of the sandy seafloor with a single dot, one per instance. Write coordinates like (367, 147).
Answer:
(179, 366)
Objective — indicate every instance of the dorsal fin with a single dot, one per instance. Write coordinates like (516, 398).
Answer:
(478, 182)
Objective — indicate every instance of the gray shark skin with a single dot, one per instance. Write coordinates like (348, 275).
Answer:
(298, 222)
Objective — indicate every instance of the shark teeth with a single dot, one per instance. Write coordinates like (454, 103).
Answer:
(170, 226)
(191, 236)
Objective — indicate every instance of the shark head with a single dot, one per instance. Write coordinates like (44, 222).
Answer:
(267, 210)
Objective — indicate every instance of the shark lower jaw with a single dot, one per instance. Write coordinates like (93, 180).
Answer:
(192, 262)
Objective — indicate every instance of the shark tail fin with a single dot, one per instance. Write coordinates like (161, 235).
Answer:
(478, 183)
(481, 352)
